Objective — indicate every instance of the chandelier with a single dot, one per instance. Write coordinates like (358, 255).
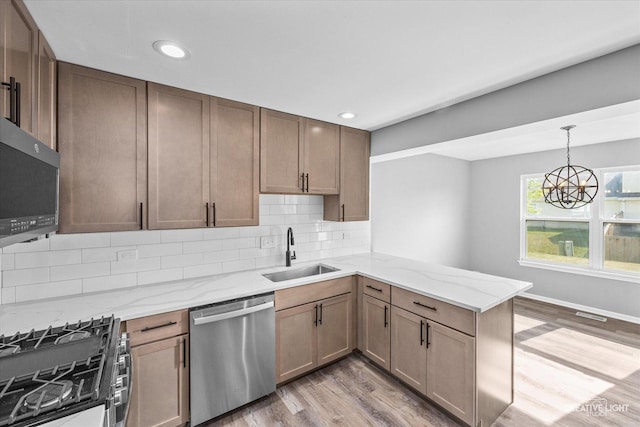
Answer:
(570, 186)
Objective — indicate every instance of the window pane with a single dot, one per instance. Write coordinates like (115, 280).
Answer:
(622, 195)
(622, 246)
(558, 241)
(538, 208)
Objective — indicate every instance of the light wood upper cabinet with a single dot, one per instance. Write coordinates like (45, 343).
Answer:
(321, 157)
(376, 331)
(102, 140)
(352, 204)
(235, 163)
(46, 93)
(298, 155)
(19, 42)
(178, 157)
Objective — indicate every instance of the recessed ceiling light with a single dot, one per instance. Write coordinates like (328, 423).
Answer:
(346, 115)
(171, 49)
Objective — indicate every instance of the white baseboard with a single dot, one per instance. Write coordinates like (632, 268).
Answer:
(579, 307)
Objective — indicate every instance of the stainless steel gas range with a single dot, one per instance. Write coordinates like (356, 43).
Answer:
(60, 371)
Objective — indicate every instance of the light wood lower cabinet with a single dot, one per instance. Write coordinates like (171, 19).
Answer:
(160, 360)
(376, 331)
(435, 360)
(313, 334)
(160, 393)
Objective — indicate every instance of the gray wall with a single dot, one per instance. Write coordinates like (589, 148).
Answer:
(604, 81)
(419, 209)
(495, 225)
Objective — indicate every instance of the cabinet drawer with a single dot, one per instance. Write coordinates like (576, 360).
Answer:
(298, 295)
(157, 327)
(450, 315)
(376, 289)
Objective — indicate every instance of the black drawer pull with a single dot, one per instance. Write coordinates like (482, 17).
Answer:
(151, 328)
(374, 288)
(418, 303)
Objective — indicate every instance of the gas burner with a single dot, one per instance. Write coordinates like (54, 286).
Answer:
(73, 336)
(8, 350)
(48, 395)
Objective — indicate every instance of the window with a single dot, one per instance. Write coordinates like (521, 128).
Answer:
(601, 239)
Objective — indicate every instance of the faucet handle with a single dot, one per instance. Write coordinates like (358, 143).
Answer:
(293, 255)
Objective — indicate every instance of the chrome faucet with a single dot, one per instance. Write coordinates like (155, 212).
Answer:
(289, 253)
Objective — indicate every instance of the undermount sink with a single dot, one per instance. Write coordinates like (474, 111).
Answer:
(297, 273)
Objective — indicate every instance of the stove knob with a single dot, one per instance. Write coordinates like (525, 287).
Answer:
(122, 381)
(124, 361)
(120, 397)
(123, 345)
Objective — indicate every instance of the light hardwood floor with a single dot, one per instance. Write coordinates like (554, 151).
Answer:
(563, 364)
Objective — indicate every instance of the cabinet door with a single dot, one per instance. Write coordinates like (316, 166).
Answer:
(321, 157)
(408, 348)
(20, 55)
(46, 97)
(352, 204)
(235, 163)
(178, 157)
(160, 393)
(451, 371)
(376, 330)
(296, 341)
(280, 152)
(103, 150)
(335, 337)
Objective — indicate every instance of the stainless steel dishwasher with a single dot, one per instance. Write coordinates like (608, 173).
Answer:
(233, 354)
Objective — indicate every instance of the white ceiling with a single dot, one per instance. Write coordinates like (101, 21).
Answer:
(384, 60)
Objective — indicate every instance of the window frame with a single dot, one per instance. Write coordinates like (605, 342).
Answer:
(596, 221)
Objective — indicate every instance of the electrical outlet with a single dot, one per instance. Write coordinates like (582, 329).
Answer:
(267, 242)
(130, 255)
(346, 235)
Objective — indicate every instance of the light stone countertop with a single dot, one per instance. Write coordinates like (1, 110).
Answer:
(471, 290)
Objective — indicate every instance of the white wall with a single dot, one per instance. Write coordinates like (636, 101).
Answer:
(82, 263)
(419, 209)
(495, 225)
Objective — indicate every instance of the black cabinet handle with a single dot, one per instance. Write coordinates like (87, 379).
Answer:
(418, 303)
(17, 102)
(302, 188)
(385, 316)
(320, 314)
(315, 322)
(421, 337)
(374, 288)
(14, 100)
(151, 328)
(307, 183)
(184, 352)
(428, 342)
(342, 211)
(214, 214)
(141, 215)
(206, 215)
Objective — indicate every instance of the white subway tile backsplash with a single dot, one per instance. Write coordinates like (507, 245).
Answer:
(48, 290)
(202, 246)
(105, 283)
(159, 249)
(79, 271)
(173, 261)
(158, 276)
(202, 270)
(134, 266)
(181, 235)
(80, 241)
(82, 263)
(25, 277)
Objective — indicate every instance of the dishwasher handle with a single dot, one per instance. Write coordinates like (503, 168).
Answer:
(231, 314)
